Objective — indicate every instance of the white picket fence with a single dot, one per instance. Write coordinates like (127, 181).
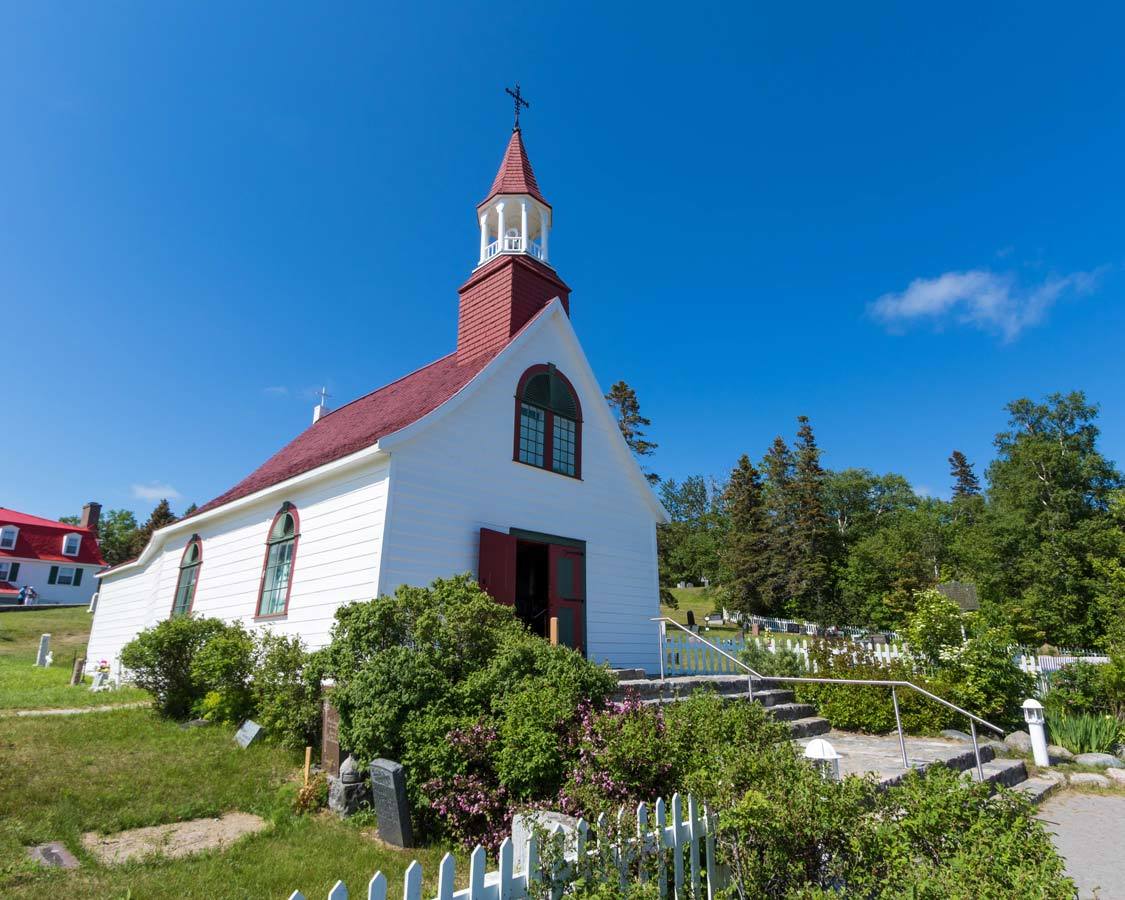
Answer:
(633, 854)
(685, 654)
(1042, 667)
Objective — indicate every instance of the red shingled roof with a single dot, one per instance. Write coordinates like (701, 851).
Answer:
(40, 538)
(360, 424)
(7, 588)
(515, 175)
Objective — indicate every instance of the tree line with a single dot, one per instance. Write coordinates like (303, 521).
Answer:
(1042, 539)
(121, 538)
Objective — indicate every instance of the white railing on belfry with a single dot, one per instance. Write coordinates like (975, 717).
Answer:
(634, 853)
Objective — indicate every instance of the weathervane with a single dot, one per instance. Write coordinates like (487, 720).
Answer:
(519, 101)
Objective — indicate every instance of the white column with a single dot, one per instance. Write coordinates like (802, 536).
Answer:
(523, 225)
(483, 236)
(500, 224)
(543, 217)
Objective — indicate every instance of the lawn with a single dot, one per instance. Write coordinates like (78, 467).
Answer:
(25, 686)
(108, 771)
(701, 601)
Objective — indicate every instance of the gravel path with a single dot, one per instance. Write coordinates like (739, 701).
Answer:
(1088, 830)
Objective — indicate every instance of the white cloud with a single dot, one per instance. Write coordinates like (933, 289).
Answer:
(923, 490)
(991, 301)
(155, 490)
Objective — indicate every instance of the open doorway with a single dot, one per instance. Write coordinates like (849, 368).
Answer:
(533, 585)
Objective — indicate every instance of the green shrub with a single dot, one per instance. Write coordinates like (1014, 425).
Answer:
(871, 709)
(784, 662)
(1078, 689)
(981, 676)
(222, 667)
(160, 658)
(414, 669)
(1084, 732)
(286, 689)
(934, 625)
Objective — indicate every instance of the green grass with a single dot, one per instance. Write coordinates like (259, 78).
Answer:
(109, 771)
(702, 601)
(25, 686)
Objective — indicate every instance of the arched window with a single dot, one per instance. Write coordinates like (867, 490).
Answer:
(277, 571)
(548, 422)
(189, 577)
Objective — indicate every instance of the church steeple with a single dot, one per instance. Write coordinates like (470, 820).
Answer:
(513, 278)
(515, 217)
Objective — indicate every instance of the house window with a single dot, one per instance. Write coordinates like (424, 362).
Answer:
(71, 544)
(189, 577)
(9, 571)
(548, 422)
(8, 535)
(65, 575)
(277, 571)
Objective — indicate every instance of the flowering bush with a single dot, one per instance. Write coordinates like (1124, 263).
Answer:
(472, 804)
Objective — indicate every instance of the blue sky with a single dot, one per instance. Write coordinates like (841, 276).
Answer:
(891, 218)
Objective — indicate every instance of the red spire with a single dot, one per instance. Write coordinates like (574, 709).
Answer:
(515, 175)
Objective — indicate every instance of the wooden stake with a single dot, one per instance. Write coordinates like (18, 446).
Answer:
(554, 631)
(308, 762)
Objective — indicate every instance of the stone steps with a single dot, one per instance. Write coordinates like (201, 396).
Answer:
(780, 702)
(1006, 772)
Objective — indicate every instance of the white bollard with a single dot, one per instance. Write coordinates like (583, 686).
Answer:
(1033, 715)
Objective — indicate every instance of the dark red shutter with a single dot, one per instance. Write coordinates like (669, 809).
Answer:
(496, 571)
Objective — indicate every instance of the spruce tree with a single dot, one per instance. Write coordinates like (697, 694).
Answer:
(965, 481)
(810, 576)
(745, 550)
(161, 515)
(627, 410)
(778, 468)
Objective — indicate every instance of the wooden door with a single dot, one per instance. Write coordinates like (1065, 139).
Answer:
(496, 566)
(567, 598)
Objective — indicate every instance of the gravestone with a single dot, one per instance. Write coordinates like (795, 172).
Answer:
(388, 794)
(691, 619)
(329, 739)
(247, 733)
(43, 659)
(101, 682)
(525, 824)
(347, 792)
(76, 672)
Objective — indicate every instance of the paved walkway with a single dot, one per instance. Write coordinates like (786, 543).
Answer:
(1089, 831)
(882, 756)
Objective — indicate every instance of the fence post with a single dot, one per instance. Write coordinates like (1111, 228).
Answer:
(661, 868)
(377, 887)
(677, 856)
(642, 840)
(693, 818)
(504, 887)
(446, 875)
(338, 892)
(663, 649)
(412, 882)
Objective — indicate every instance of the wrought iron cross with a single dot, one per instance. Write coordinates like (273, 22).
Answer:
(323, 395)
(519, 101)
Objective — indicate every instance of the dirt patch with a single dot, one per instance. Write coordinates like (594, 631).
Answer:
(177, 839)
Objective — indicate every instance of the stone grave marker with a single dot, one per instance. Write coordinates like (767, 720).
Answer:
(247, 733)
(44, 657)
(525, 824)
(347, 793)
(101, 682)
(77, 670)
(388, 791)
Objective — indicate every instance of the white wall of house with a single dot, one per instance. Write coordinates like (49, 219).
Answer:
(457, 475)
(36, 573)
(337, 562)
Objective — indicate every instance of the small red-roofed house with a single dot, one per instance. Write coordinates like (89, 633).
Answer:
(57, 561)
(501, 459)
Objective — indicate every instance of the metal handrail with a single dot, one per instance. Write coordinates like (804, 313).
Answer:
(869, 682)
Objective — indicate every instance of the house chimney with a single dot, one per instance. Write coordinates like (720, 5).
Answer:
(91, 513)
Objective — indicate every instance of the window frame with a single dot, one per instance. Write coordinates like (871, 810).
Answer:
(7, 564)
(66, 539)
(15, 532)
(548, 423)
(59, 575)
(196, 543)
(287, 508)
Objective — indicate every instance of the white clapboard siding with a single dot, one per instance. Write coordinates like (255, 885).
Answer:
(639, 853)
(456, 475)
(337, 562)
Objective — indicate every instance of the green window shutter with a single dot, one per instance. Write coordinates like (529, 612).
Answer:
(13, 572)
(77, 577)
(54, 576)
